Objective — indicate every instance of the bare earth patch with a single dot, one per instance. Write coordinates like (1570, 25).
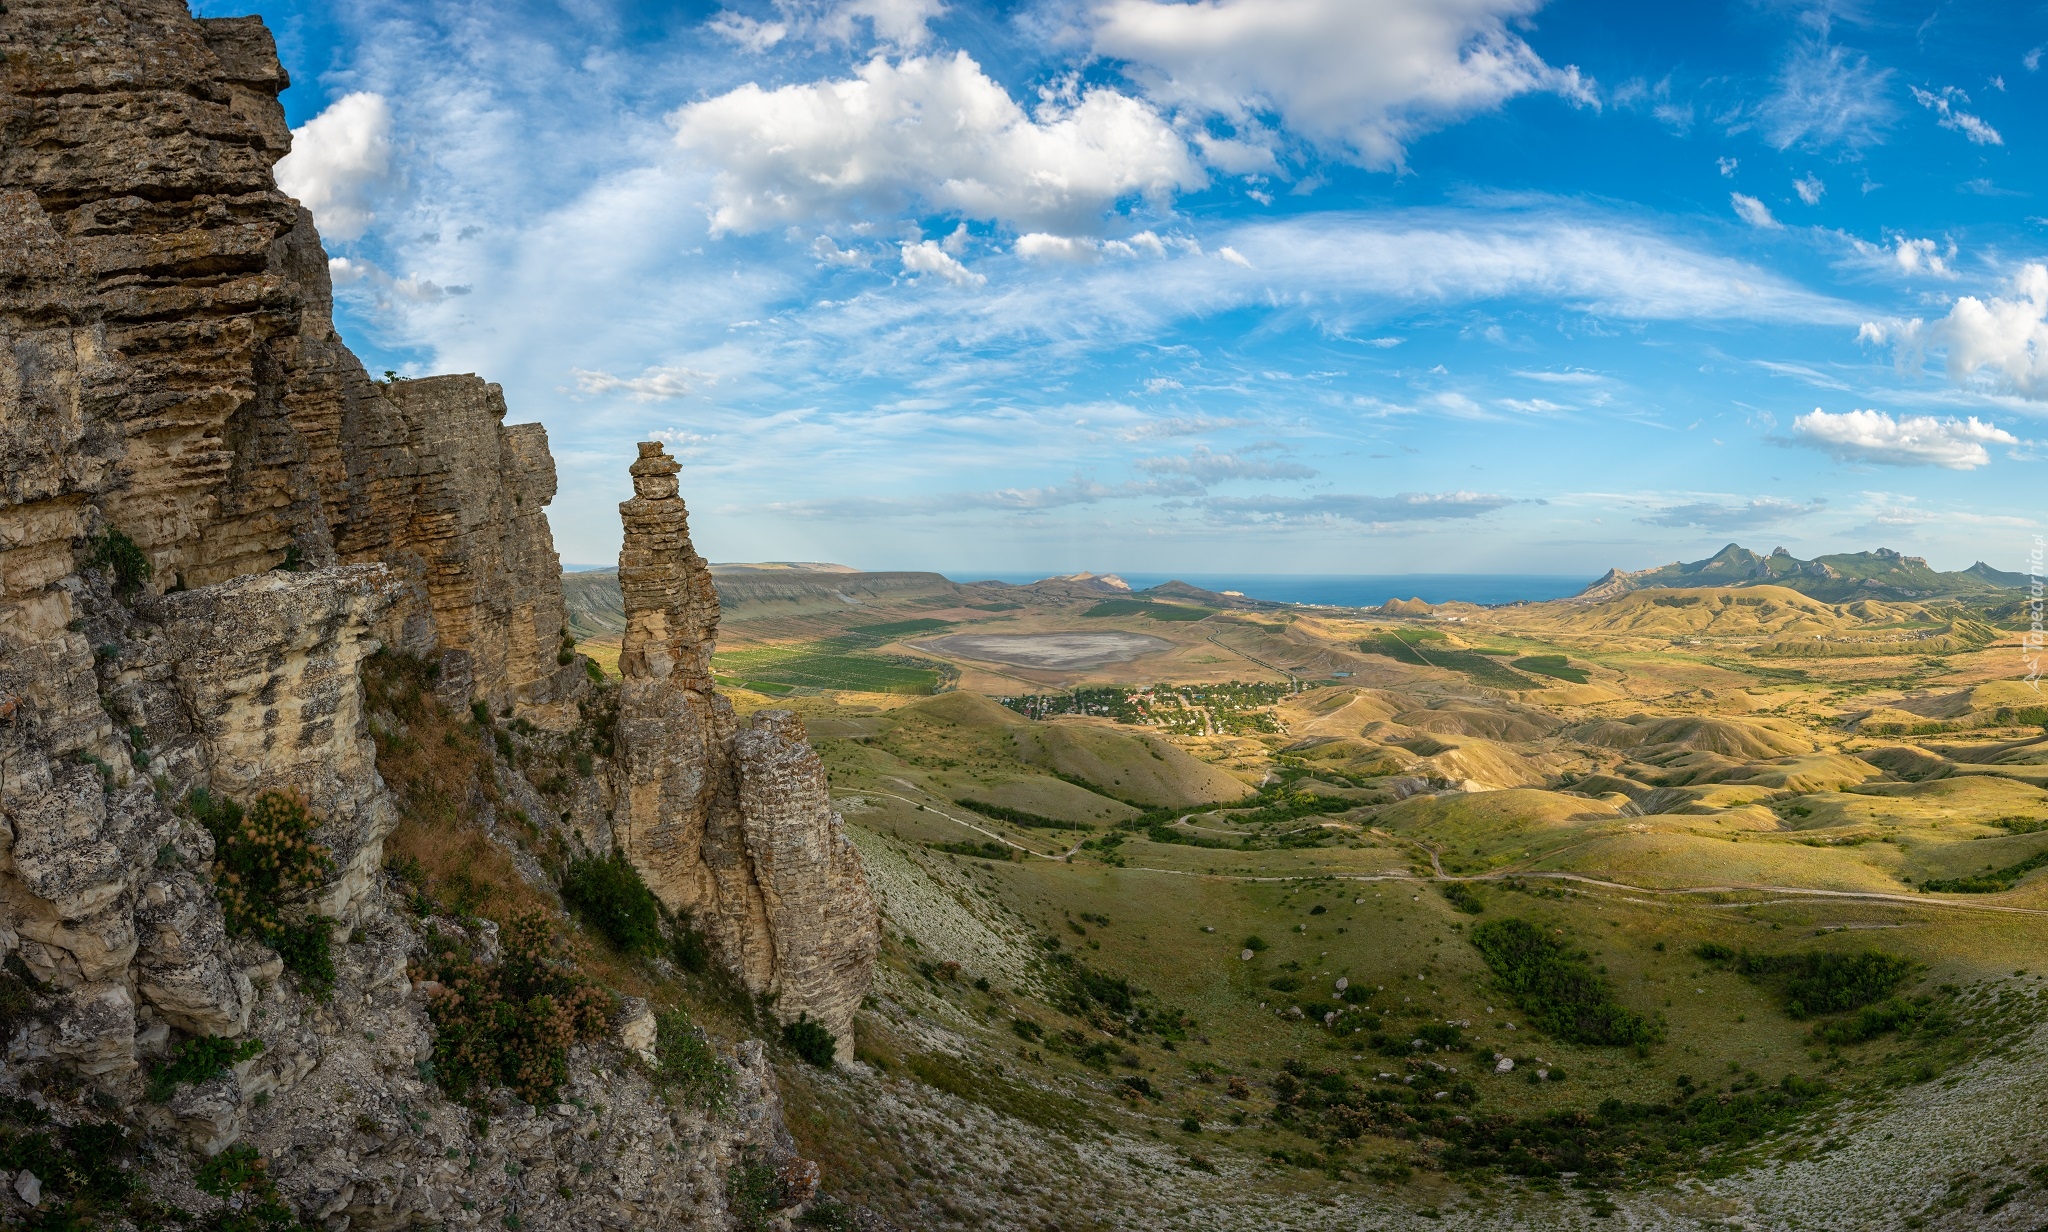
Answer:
(1050, 650)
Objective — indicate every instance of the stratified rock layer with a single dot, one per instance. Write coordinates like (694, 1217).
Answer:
(732, 824)
(170, 376)
(171, 369)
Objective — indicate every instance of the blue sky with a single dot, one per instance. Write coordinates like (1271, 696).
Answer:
(1319, 286)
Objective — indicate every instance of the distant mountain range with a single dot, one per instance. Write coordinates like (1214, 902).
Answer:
(597, 609)
(1883, 574)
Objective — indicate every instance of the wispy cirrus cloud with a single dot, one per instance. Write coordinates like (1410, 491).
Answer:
(1207, 467)
(1080, 490)
(1338, 266)
(1827, 95)
(1944, 105)
(1356, 507)
(1718, 516)
(902, 23)
(1753, 212)
(652, 385)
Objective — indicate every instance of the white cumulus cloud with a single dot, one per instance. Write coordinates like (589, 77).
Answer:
(1916, 255)
(932, 132)
(347, 271)
(902, 22)
(1362, 78)
(927, 257)
(1040, 246)
(2008, 336)
(340, 164)
(1753, 211)
(750, 33)
(1916, 440)
(1904, 254)
(1079, 250)
(1809, 188)
(832, 254)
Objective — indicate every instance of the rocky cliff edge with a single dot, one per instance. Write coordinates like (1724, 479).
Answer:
(210, 519)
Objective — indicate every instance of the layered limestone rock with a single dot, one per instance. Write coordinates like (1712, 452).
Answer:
(444, 490)
(730, 823)
(269, 667)
(824, 927)
(209, 517)
(170, 365)
(169, 372)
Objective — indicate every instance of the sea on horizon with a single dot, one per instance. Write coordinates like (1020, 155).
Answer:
(1360, 589)
(1335, 589)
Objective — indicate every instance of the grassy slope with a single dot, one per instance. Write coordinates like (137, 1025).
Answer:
(1777, 798)
(1151, 927)
(1140, 768)
(970, 1126)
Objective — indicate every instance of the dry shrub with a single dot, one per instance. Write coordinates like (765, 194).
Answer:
(442, 772)
(512, 1022)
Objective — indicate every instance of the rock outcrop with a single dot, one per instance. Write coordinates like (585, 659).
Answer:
(209, 518)
(180, 424)
(729, 823)
(172, 371)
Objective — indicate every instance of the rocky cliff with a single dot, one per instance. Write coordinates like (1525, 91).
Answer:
(210, 518)
(730, 824)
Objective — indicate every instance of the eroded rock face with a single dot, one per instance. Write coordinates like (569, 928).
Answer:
(822, 917)
(170, 366)
(268, 665)
(444, 491)
(169, 369)
(730, 823)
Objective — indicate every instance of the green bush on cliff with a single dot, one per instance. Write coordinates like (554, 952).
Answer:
(511, 1023)
(123, 560)
(607, 894)
(198, 1060)
(259, 857)
(809, 1039)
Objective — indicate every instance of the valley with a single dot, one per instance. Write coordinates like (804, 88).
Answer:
(1182, 962)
